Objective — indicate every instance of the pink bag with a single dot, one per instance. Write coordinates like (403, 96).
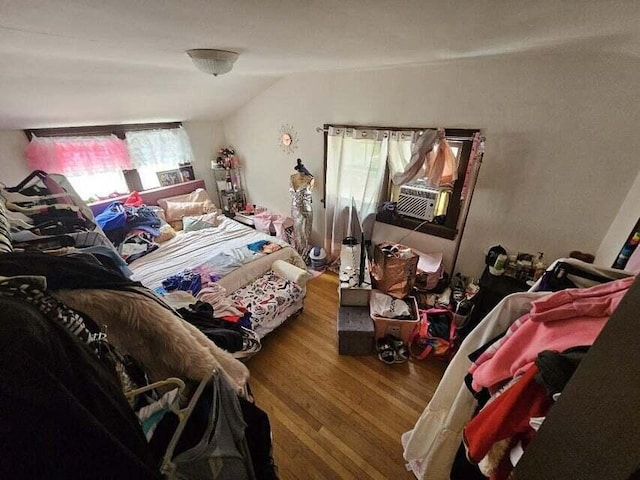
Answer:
(262, 221)
(435, 334)
(269, 223)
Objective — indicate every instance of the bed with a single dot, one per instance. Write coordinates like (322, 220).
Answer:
(246, 278)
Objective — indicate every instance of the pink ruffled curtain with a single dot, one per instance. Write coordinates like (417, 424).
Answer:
(75, 156)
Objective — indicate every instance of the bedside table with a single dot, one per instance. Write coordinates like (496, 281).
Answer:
(244, 219)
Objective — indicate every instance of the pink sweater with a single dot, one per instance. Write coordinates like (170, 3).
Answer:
(560, 321)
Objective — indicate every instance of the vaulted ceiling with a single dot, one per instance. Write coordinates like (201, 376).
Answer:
(74, 62)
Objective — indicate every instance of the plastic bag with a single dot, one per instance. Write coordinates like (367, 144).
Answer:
(394, 269)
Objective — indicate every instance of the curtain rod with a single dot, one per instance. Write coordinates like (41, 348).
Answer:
(395, 129)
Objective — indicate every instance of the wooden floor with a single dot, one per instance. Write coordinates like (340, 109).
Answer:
(335, 416)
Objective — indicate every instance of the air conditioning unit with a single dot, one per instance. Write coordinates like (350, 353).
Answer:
(419, 200)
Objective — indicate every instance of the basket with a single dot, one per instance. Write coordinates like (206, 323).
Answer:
(397, 327)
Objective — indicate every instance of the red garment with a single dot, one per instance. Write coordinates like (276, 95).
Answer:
(134, 200)
(507, 417)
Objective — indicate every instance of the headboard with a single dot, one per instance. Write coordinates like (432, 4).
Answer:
(150, 197)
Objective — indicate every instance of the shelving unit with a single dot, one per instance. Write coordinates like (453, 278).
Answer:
(231, 195)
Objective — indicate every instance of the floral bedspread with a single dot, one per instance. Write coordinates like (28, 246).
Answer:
(266, 298)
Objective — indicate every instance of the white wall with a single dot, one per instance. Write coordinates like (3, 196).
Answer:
(13, 166)
(621, 226)
(206, 139)
(561, 140)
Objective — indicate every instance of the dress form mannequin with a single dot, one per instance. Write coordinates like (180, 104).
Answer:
(300, 186)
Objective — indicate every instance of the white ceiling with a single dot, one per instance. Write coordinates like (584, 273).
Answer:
(72, 62)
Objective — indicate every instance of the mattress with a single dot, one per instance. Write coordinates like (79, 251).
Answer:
(190, 250)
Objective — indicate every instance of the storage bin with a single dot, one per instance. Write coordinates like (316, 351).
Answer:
(355, 331)
(396, 327)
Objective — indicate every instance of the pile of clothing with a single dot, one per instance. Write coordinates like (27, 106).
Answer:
(208, 308)
(131, 227)
(508, 373)
(79, 340)
(85, 354)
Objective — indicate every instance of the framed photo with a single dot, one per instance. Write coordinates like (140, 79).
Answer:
(186, 171)
(628, 251)
(169, 177)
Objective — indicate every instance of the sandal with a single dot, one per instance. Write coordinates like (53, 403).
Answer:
(386, 352)
(401, 352)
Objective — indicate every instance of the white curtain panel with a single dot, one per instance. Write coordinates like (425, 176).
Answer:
(400, 143)
(162, 148)
(355, 172)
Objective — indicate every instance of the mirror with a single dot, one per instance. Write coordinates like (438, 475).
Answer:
(288, 139)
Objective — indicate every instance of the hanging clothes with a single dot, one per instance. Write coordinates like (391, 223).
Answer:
(562, 320)
(54, 395)
(430, 447)
(222, 453)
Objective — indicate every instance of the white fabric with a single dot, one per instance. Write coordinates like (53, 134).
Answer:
(400, 145)
(419, 150)
(166, 147)
(431, 446)
(355, 172)
(290, 272)
(189, 250)
(388, 307)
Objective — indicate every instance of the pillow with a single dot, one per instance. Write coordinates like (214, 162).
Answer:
(177, 210)
(209, 220)
(198, 195)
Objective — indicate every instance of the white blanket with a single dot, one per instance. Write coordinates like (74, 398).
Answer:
(190, 250)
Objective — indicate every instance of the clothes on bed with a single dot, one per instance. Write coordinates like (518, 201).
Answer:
(120, 221)
(186, 280)
(137, 244)
(217, 296)
(264, 246)
(189, 250)
(61, 393)
(227, 335)
(212, 269)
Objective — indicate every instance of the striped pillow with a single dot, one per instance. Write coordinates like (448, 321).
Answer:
(5, 229)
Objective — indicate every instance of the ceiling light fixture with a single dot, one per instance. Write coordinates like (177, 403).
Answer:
(213, 62)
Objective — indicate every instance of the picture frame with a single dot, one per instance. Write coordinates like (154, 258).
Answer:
(186, 172)
(169, 177)
(628, 249)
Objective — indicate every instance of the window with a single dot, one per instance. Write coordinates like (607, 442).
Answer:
(398, 145)
(95, 159)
